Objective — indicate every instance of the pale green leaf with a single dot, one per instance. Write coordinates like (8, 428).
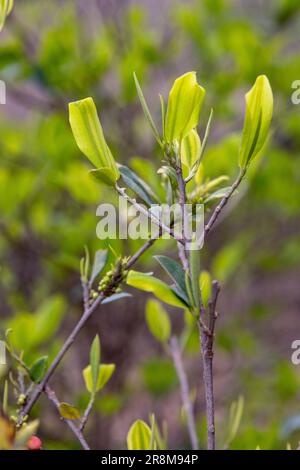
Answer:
(89, 136)
(104, 175)
(258, 116)
(205, 287)
(5, 9)
(68, 411)
(139, 436)
(190, 149)
(184, 106)
(149, 283)
(194, 256)
(95, 361)
(235, 417)
(158, 321)
(105, 373)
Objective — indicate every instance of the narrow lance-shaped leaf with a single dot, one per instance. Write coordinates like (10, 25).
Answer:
(158, 321)
(139, 186)
(195, 274)
(95, 361)
(175, 271)
(146, 109)
(259, 111)
(90, 139)
(115, 297)
(161, 290)
(197, 163)
(184, 106)
(99, 263)
(5, 398)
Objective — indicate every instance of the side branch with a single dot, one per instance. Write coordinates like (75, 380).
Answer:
(207, 348)
(81, 323)
(185, 391)
(77, 431)
(223, 203)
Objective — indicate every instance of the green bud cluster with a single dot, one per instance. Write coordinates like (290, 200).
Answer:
(110, 283)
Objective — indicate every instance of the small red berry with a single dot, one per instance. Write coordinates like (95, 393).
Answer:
(34, 443)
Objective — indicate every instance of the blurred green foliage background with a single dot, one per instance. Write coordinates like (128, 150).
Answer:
(53, 52)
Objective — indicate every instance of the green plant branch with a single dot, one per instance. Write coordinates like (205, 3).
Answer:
(75, 429)
(115, 282)
(207, 343)
(148, 214)
(87, 412)
(182, 201)
(213, 218)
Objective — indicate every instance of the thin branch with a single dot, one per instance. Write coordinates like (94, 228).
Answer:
(87, 413)
(207, 343)
(77, 431)
(185, 391)
(86, 293)
(148, 214)
(81, 323)
(223, 202)
(140, 252)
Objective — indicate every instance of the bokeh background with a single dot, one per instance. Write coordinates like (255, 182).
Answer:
(53, 52)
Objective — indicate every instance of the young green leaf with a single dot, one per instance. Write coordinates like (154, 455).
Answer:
(195, 274)
(140, 187)
(158, 321)
(99, 263)
(149, 283)
(38, 369)
(105, 373)
(5, 9)
(175, 271)
(235, 417)
(184, 106)
(205, 287)
(197, 163)
(258, 116)
(139, 436)
(95, 361)
(190, 149)
(90, 139)
(146, 110)
(68, 411)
